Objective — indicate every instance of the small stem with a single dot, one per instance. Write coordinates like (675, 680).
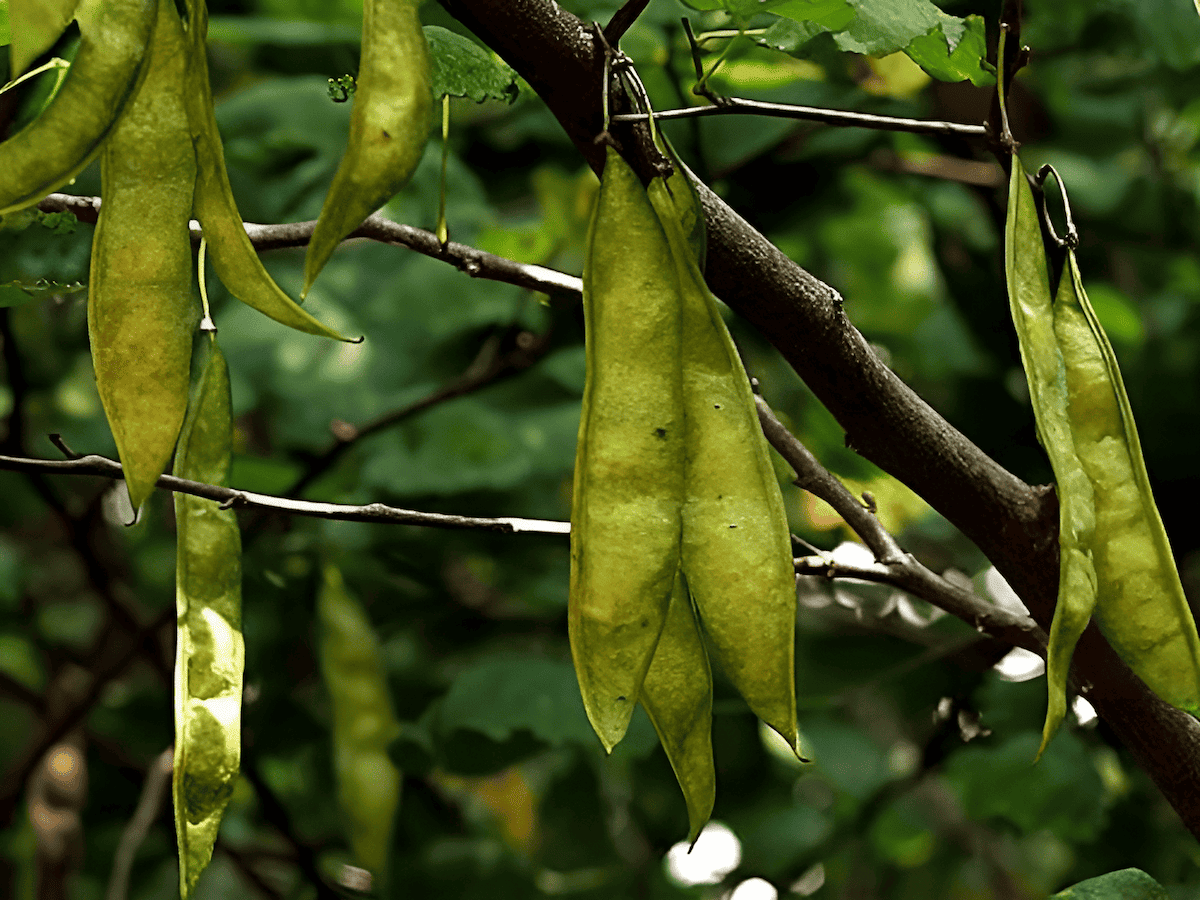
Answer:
(739, 106)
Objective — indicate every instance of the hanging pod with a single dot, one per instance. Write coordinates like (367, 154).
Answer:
(1141, 607)
(141, 311)
(389, 124)
(736, 550)
(629, 462)
(1031, 308)
(234, 258)
(1115, 562)
(55, 147)
(210, 651)
(677, 696)
(364, 723)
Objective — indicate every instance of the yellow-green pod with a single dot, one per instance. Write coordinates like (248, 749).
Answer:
(737, 554)
(35, 25)
(1141, 607)
(1032, 314)
(141, 311)
(389, 125)
(233, 256)
(56, 146)
(629, 463)
(677, 695)
(210, 652)
(368, 783)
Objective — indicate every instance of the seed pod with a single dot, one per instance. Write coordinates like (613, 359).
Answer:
(737, 554)
(35, 25)
(1141, 606)
(234, 258)
(1030, 305)
(141, 312)
(389, 125)
(363, 723)
(210, 652)
(629, 468)
(677, 695)
(56, 146)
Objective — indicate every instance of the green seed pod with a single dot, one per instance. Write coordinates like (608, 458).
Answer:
(389, 125)
(629, 471)
(141, 312)
(363, 723)
(1141, 607)
(677, 695)
(210, 652)
(56, 146)
(1030, 305)
(737, 554)
(35, 25)
(234, 258)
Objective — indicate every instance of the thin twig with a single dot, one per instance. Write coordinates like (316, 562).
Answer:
(377, 513)
(893, 566)
(154, 789)
(739, 106)
(476, 263)
(489, 367)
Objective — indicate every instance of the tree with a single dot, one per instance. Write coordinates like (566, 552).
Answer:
(439, 664)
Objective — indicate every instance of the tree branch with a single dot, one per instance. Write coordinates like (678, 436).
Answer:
(377, 513)
(476, 263)
(1015, 525)
(731, 106)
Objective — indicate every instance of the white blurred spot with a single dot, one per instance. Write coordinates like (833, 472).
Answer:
(1020, 664)
(903, 758)
(1005, 596)
(810, 882)
(852, 553)
(754, 889)
(1084, 711)
(716, 853)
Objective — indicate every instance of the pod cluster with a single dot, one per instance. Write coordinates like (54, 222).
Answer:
(679, 542)
(137, 95)
(1116, 565)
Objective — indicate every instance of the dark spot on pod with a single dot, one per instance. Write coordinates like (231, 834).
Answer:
(660, 432)
(716, 406)
(733, 526)
(620, 699)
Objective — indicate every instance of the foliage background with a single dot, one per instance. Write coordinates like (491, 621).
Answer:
(507, 792)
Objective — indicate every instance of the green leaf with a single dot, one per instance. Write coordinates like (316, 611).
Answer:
(500, 696)
(955, 51)
(461, 68)
(947, 47)
(832, 15)
(1062, 794)
(1124, 884)
(248, 31)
